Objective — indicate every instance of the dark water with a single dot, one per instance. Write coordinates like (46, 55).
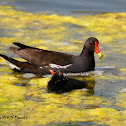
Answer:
(68, 6)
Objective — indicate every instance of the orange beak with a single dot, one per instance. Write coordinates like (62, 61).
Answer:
(97, 50)
(52, 72)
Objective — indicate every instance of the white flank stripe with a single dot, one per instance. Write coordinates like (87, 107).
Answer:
(13, 66)
(58, 66)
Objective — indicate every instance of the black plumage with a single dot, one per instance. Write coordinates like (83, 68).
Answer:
(60, 84)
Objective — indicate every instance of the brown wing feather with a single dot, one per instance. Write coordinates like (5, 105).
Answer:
(40, 57)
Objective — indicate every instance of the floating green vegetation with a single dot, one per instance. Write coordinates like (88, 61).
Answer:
(31, 104)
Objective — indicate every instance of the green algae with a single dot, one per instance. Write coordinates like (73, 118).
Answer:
(121, 100)
(32, 104)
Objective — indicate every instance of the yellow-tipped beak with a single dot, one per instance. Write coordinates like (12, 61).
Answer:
(100, 55)
(52, 72)
(97, 50)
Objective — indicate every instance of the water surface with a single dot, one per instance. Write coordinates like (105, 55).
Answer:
(21, 95)
(68, 6)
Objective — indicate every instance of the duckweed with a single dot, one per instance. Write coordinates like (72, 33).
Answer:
(121, 100)
(40, 82)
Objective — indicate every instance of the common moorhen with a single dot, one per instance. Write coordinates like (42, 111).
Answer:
(60, 84)
(40, 61)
